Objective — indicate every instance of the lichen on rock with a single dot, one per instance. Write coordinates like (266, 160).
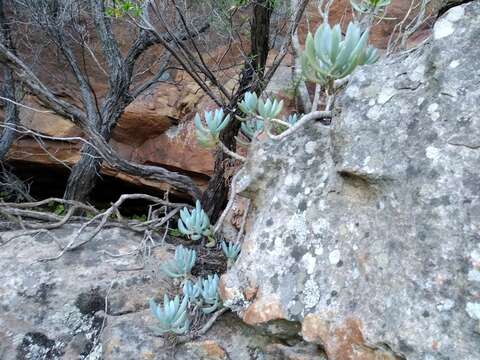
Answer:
(367, 231)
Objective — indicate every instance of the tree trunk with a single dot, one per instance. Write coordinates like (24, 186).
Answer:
(8, 91)
(83, 176)
(216, 196)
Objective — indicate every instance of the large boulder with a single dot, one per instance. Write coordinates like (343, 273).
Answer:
(367, 231)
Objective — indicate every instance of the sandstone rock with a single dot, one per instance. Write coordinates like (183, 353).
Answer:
(366, 232)
(57, 310)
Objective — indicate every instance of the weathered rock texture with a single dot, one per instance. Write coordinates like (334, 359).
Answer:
(56, 310)
(367, 232)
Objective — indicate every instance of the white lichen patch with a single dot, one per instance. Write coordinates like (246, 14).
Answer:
(374, 112)
(444, 26)
(311, 294)
(474, 275)
(473, 310)
(334, 257)
(310, 147)
(442, 29)
(386, 94)
(309, 262)
(432, 107)
(454, 64)
(446, 305)
(353, 92)
(292, 179)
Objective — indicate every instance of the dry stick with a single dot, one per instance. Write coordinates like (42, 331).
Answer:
(231, 153)
(95, 343)
(104, 218)
(204, 329)
(230, 202)
(32, 232)
(244, 220)
(302, 122)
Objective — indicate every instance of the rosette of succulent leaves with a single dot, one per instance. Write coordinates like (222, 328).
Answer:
(192, 292)
(329, 56)
(195, 224)
(231, 251)
(209, 293)
(172, 316)
(216, 121)
(259, 113)
(181, 265)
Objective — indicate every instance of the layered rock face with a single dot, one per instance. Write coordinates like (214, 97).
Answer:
(156, 129)
(367, 231)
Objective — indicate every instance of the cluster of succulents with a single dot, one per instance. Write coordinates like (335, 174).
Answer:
(216, 121)
(254, 106)
(329, 56)
(204, 293)
(194, 224)
(182, 264)
(231, 251)
(172, 316)
(258, 110)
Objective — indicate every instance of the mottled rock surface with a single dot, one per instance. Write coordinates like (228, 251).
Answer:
(56, 310)
(367, 231)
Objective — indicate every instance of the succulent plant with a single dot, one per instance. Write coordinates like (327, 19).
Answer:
(270, 108)
(369, 6)
(172, 316)
(209, 292)
(231, 251)
(328, 56)
(194, 224)
(191, 291)
(182, 264)
(292, 119)
(249, 103)
(216, 122)
(251, 127)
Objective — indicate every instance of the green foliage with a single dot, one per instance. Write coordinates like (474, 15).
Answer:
(231, 251)
(174, 232)
(182, 264)
(328, 56)
(194, 224)
(120, 8)
(370, 6)
(141, 218)
(172, 316)
(216, 122)
(209, 292)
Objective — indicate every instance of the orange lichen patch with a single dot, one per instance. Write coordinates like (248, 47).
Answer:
(250, 292)
(341, 341)
(207, 350)
(263, 310)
